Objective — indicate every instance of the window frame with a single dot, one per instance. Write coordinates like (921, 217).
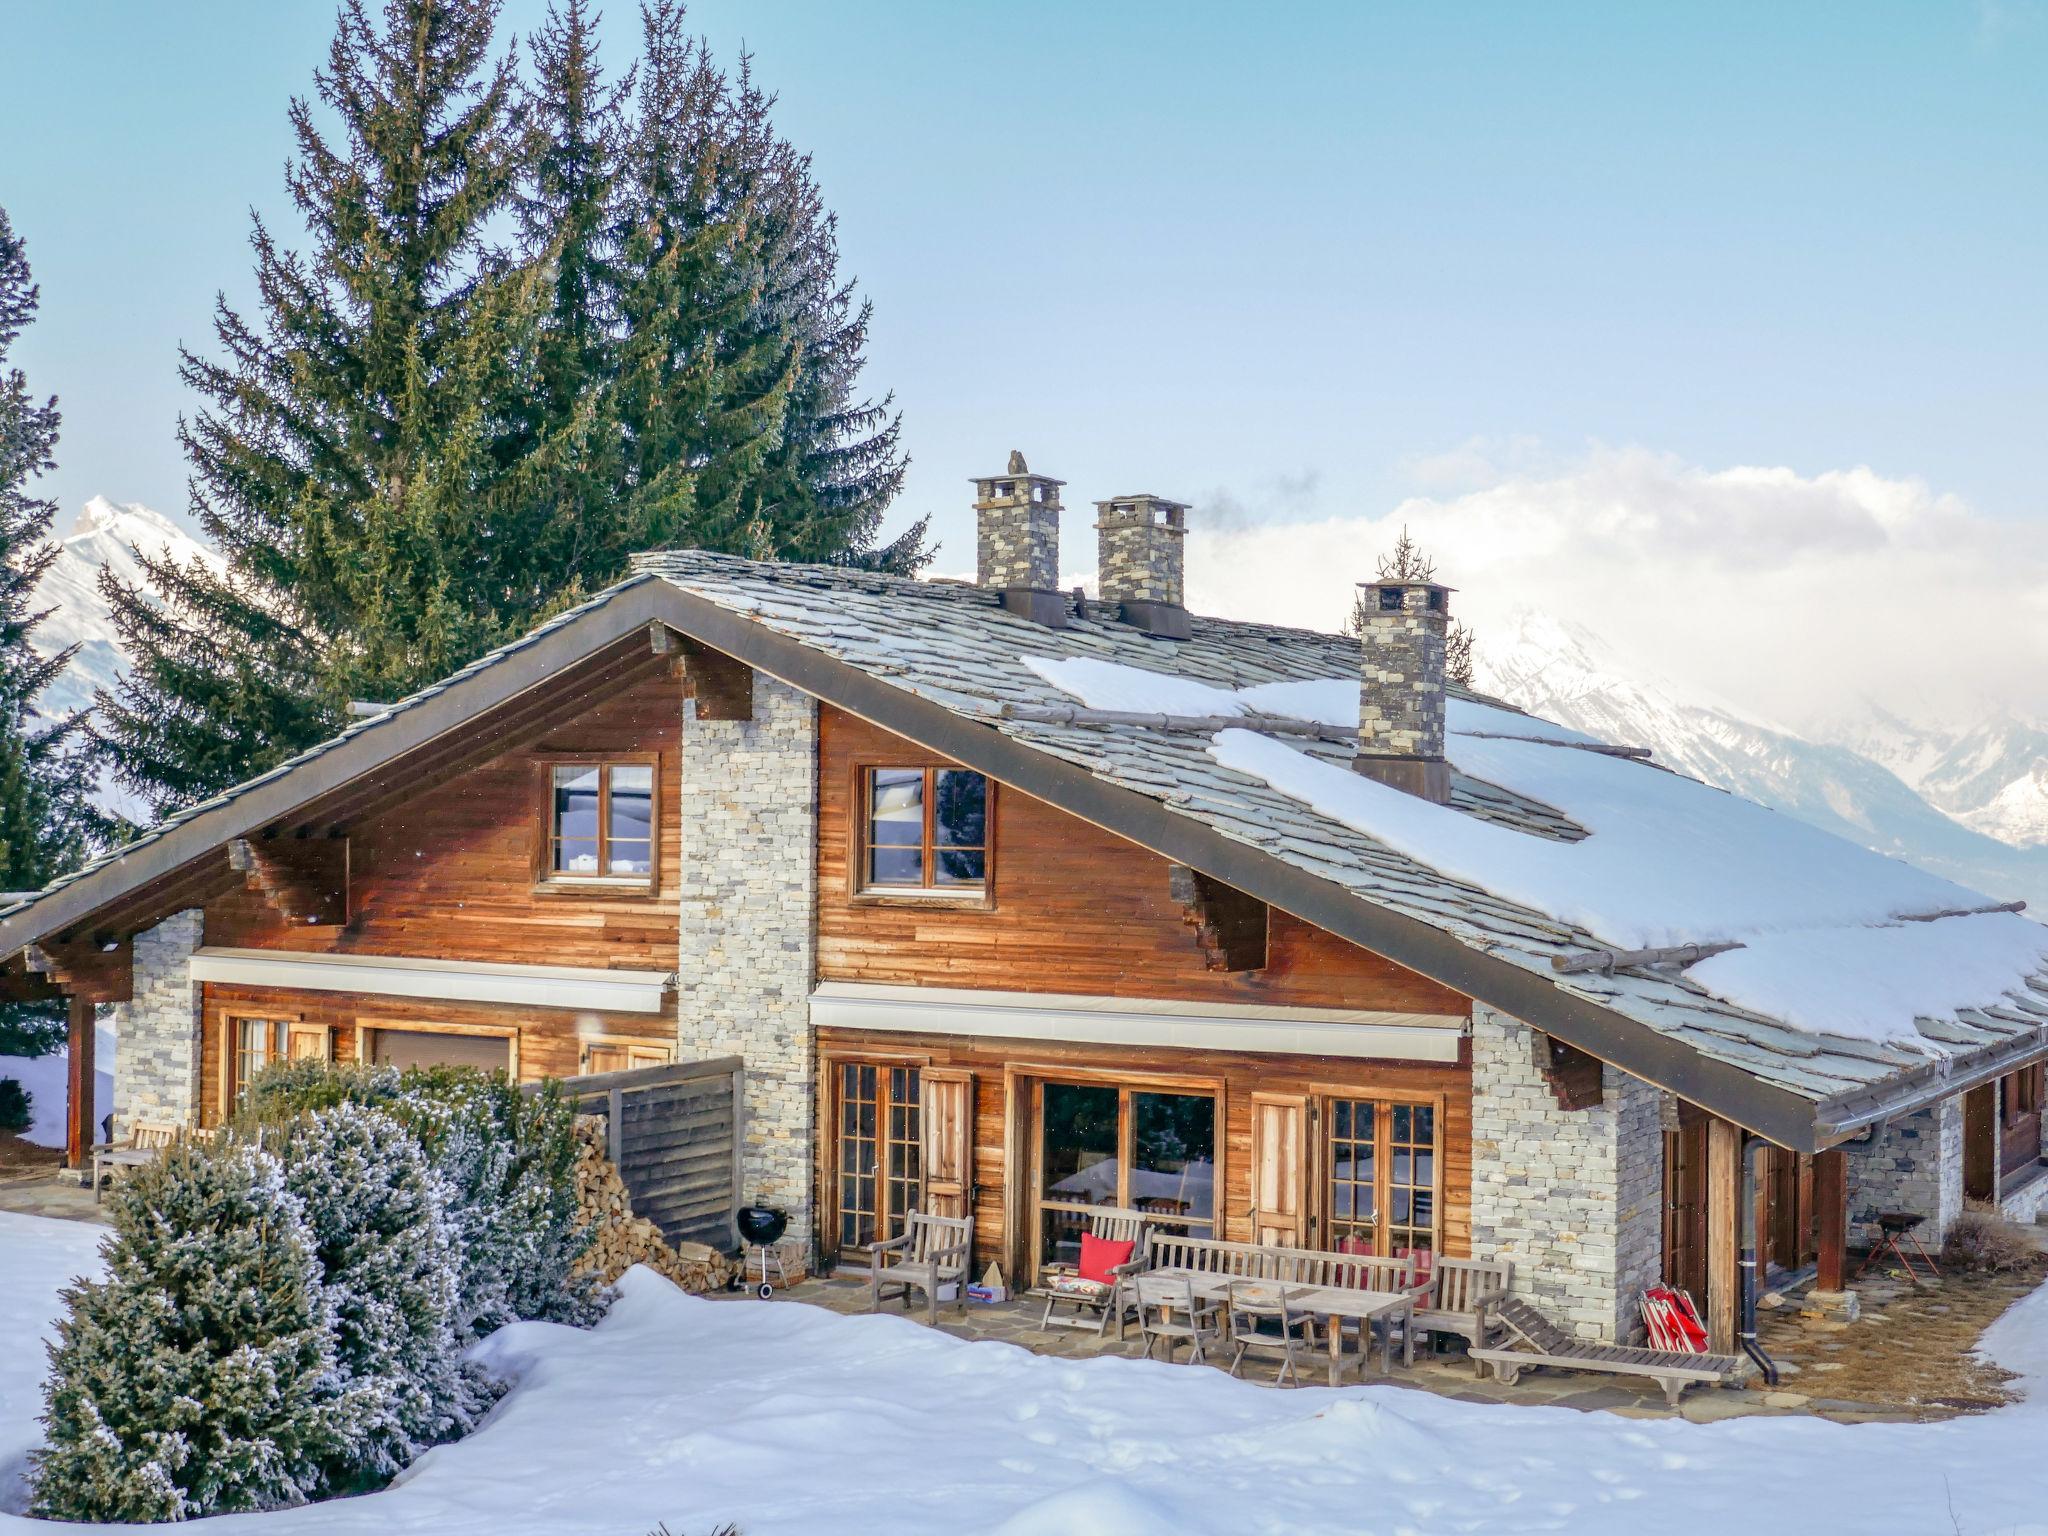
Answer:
(632, 1044)
(366, 1024)
(284, 1026)
(861, 888)
(1383, 1101)
(551, 881)
(831, 1064)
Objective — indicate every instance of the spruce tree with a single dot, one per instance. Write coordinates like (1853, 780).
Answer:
(47, 822)
(346, 460)
(388, 1258)
(198, 1377)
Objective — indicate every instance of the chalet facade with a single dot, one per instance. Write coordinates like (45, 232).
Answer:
(990, 945)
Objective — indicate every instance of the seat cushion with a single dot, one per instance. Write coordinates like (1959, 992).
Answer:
(1077, 1288)
(1099, 1256)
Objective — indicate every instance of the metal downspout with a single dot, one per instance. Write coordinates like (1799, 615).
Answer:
(1746, 1214)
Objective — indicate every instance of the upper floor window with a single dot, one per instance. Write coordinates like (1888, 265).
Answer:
(927, 830)
(601, 822)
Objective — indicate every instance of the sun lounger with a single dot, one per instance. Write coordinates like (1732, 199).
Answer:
(1536, 1341)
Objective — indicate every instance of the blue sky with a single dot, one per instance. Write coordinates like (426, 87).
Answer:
(1282, 261)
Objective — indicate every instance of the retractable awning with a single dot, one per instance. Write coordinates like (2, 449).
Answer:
(464, 981)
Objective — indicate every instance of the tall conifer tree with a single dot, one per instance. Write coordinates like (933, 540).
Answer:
(46, 820)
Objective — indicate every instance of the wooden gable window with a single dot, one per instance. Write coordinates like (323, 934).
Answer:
(925, 830)
(600, 823)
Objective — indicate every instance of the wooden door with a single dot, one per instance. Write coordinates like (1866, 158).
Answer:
(1980, 1142)
(1280, 1170)
(948, 1112)
(1685, 1204)
(2019, 1133)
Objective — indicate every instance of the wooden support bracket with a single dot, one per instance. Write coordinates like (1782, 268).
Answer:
(97, 968)
(722, 686)
(1230, 926)
(1573, 1076)
(304, 879)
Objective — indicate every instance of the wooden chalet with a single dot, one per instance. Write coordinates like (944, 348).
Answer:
(988, 950)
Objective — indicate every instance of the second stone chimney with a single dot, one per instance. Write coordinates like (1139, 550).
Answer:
(1017, 541)
(1401, 687)
(1140, 561)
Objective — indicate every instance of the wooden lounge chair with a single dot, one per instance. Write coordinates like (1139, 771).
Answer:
(1534, 1340)
(1062, 1286)
(932, 1253)
(146, 1142)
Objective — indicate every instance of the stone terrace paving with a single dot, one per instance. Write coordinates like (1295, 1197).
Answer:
(1908, 1358)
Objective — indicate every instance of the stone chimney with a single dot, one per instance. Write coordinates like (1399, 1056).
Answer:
(1401, 687)
(1017, 541)
(1140, 559)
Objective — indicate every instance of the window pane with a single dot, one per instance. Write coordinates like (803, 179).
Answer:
(960, 809)
(1173, 1146)
(575, 814)
(896, 826)
(961, 866)
(1080, 1158)
(896, 866)
(632, 820)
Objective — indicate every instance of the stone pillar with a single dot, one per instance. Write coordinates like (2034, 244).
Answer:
(156, 1044)
(1401, 687)
(748, 923)
(1017, 529)
(1574, 1197)
(1913, 1164)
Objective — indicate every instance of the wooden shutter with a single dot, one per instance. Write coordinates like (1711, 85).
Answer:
(310, 1042)
(1280, 1163)
(947, 1113)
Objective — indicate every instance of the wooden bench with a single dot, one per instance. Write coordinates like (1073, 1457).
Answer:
(1310, 1268)
(1536, 1341)
(1460, 1296)
(1062, 1286)
(931, 1254)
(146, 1142)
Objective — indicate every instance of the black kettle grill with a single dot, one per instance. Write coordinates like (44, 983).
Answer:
(761, 1228)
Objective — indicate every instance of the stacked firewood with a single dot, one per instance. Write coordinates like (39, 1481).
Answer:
(623, 1239)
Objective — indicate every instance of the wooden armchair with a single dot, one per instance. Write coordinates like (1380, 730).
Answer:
(1062, 1286)
(1461, 1298)
(932, 1253)
(146, 1142)
(1170, 1313)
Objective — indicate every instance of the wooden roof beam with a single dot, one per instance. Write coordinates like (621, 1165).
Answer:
(98, 970)
(304, 879)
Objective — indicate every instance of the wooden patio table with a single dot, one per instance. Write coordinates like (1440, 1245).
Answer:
(1332, 1303)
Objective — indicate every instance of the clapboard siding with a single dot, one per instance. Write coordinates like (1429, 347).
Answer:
(1002, 1068)
(1075, 909)
(675, 1144)
(450, 874)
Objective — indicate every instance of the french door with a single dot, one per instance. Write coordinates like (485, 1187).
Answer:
(1113, 1144)
(1383, 1176)
(878, 1147)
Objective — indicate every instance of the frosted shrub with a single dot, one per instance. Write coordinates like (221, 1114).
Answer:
(390, 1261)
(199, 1376)
(1982, 1239)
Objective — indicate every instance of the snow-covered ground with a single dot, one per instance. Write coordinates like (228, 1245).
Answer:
(48, 1082)
(789, 1419)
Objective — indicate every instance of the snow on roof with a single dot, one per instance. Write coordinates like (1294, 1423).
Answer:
(1828, 944)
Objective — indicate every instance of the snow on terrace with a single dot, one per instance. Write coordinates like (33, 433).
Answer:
(790, 1419)
(1669, 860)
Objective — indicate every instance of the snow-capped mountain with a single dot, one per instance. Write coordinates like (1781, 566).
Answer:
(1989, 772)
(1566, 672)
(108, 535)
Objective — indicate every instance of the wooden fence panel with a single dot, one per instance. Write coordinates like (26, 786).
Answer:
(675, 1132)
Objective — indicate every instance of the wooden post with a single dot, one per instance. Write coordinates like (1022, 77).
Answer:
(78, 1127)
(1724, 1205)
(1831, 1196)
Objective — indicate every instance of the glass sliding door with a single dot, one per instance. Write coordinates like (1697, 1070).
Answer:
(1102, 1144)
(877, 1147)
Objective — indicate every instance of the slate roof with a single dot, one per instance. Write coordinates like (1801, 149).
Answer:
(954, 644)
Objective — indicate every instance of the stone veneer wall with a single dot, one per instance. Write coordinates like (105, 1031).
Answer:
(1574, 1197)
(156, 1045)
(1914, 1164)
(746, 959)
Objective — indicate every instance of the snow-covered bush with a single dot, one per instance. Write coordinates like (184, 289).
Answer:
(16, 1103)
(199, 1376)
(392, 1267)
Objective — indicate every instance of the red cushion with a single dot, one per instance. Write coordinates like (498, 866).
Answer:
(1099, 1256)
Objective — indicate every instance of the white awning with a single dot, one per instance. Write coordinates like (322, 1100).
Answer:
(1067, 1017)
(459, 981)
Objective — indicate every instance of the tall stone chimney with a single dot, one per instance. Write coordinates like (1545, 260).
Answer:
(1017, 541)
(1401, 687)
(1139, 543)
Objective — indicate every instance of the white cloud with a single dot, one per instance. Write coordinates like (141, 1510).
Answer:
(1787, 593)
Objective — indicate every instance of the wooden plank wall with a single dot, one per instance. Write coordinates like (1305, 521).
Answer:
(550, 1039)
(676, 1149)
(1076, 909)
(996, 1064)
(450, 874)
